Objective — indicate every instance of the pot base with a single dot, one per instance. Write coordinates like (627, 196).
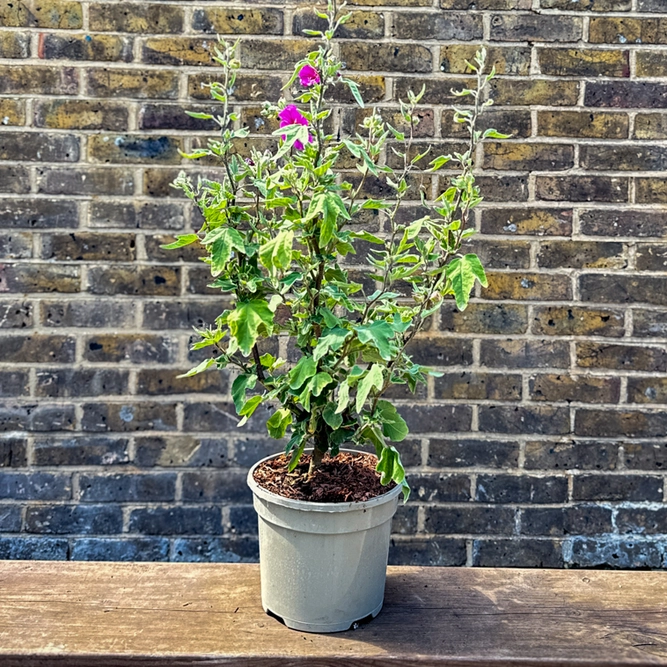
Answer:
(324, 627)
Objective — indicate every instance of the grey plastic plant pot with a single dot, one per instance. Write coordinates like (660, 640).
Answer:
(322, 565)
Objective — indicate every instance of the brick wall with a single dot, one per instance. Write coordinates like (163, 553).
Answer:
(544, 441)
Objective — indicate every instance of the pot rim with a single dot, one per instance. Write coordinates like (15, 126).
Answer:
(309, 505)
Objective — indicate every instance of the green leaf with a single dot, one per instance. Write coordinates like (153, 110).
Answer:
(355, 149)
(296, 455)
(329, 225)
(439, 162)
(355, 372)
(331, 417)
(393, 425)
(251, 405)
(207, 363)
(182, 240)
(343, 397)
(319, 382)
(292, 134)
(278, 422)
(374, 379)
(277, 253)
(223, 242)
(375, 204)
(197, 114)
(304, 370)
(332, 339)
(223, 284)
(315, 207)
(249, 408)
(463, 271)
(381, 334)
(239, 387)
(477, 268)
(354, 89)
(333, 207)
(390, 468)
(291, 278)
(329, 318)
(370, 433)
(494, 134)
(247, 321)
(366, 236)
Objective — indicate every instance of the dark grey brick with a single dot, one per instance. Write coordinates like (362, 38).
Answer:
(35, 486)
(471, 519)
(617, 487)
(38, 214)
(470, 453)
(33, 548)
(440, 487)
(67, 383)
(13, 452)
(16, 314)
(221, 418)
(550, 455)
(247, 451)
(36, 417)
(129, 549)
(614, 552)
(181, 450)
(81, 451)
(571, 520)
(225, 486)
(126, 417)
(642, 520)
(176, 521)
(419, 26)
(432, 551)
(216, 550)
(38, 147)
(10, 518)
(521, 489)
(436, 418)
(139, 215)
(155, 487)
(88, 313)
(37, 348)
(542, 420)
(14, 383)
(517, 353)
(74, 519)
(645, 455)
(517, 553)
(163, 315)
(243, 520)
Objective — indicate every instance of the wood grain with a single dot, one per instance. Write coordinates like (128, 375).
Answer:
(70, 614)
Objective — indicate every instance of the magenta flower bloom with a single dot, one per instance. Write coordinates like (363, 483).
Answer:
(290, 115)
(308, 76)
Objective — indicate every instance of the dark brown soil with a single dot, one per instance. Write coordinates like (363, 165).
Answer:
(347, 477)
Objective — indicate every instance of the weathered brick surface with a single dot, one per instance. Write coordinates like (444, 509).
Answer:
(543, 442)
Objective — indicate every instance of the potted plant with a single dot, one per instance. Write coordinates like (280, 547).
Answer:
(277, 228)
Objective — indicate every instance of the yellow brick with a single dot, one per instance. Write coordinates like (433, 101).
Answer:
(506, 60)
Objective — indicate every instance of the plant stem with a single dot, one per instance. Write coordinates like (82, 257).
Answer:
(315, 460)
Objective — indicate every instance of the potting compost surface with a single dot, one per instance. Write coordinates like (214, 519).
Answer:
(346, 477)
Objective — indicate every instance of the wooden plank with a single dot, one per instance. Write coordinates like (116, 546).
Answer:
(69, 614)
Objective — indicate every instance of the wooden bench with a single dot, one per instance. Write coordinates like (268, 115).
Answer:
(177, 615)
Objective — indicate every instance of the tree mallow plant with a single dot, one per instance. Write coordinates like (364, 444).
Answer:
(277, 227)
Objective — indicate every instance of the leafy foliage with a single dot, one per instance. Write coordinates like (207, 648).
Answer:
(276, 228)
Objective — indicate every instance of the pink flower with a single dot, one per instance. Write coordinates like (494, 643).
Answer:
(308, 76)
(290, 115)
